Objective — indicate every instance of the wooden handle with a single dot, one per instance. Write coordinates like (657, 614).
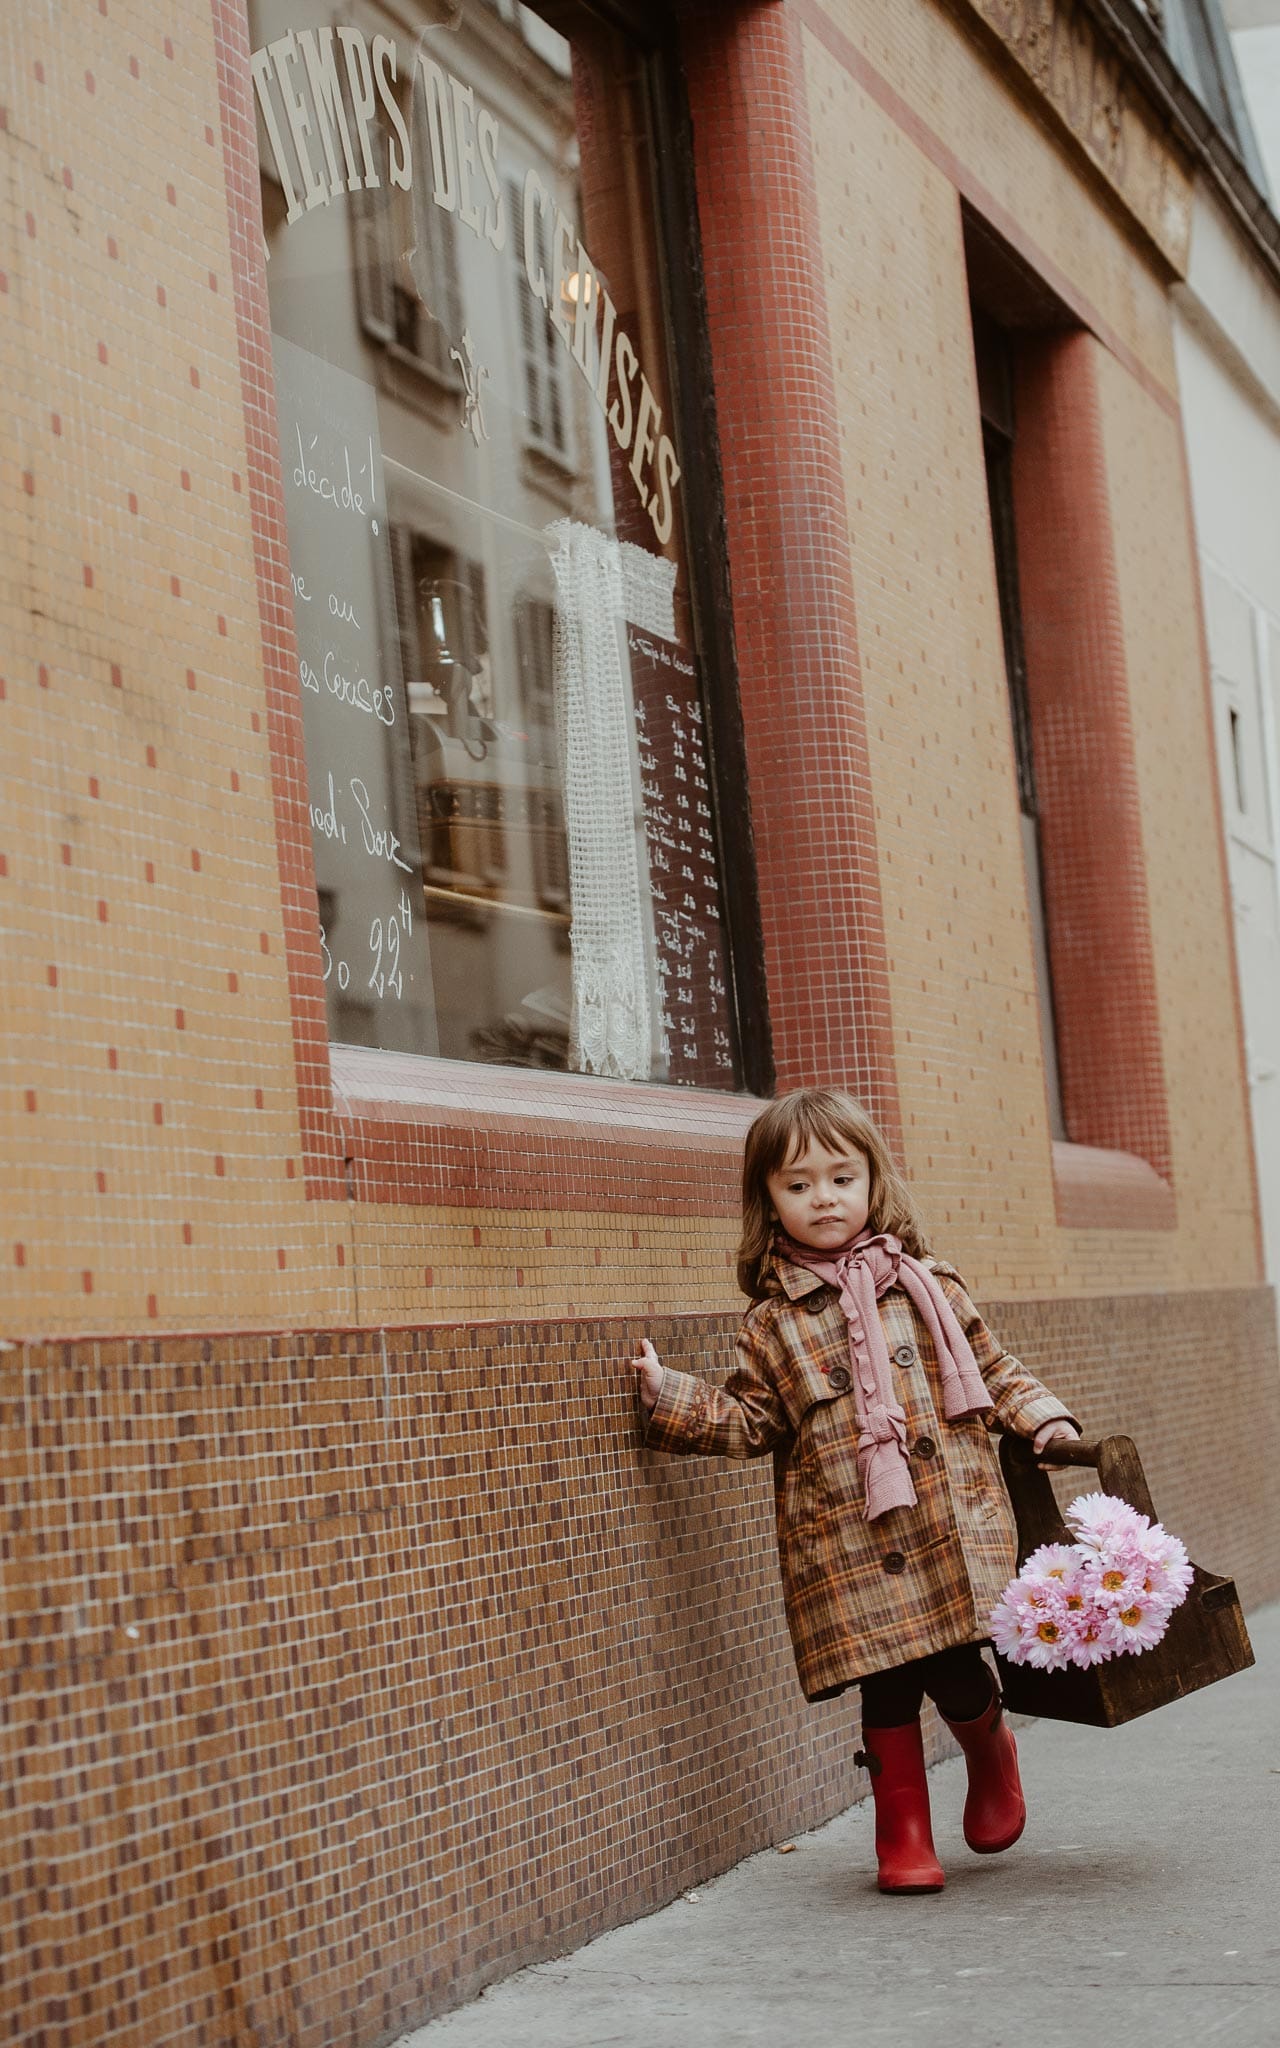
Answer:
(1064, 1451)
(1114, 1458)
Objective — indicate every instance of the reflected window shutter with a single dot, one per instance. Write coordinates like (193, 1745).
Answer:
(407, 640)
(369, 227)
(435, 269)
(530, 315)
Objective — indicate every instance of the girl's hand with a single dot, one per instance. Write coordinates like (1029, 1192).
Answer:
(1052, 1432)
(648, 1368)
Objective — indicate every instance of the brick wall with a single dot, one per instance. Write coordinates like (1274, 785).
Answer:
(346, 1672)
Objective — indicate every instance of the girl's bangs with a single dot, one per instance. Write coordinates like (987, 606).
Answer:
(822, 1124)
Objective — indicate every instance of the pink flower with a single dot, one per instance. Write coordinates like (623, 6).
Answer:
(1089, 1642)
(1111, 1579)
(1044, 1638)
(1099, 1518)
(1136, 1627)
(1168, 1572)
(1030, 1625)
(1056, 1561)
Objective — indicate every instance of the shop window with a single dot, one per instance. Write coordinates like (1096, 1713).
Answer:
(504, 693)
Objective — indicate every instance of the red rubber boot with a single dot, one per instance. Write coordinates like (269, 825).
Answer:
(904, 1838)
(995, 1811)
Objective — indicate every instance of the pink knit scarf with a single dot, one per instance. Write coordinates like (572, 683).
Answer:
(861, 1272)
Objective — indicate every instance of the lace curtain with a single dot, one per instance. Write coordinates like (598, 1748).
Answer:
(601, 584)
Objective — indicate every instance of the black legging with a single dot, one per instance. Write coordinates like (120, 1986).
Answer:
(957, 1681)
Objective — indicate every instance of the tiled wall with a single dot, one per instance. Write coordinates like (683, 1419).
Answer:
(165, 1098)
(347, 1672)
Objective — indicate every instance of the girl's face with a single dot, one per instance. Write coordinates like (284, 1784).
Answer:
(822, 1198)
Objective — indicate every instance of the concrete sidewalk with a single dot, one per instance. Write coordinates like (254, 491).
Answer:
(1142, 1908)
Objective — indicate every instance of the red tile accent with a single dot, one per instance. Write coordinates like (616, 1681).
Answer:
(797, 636)
(1109, 1049)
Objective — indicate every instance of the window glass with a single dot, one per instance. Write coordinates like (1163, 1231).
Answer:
(513, 822)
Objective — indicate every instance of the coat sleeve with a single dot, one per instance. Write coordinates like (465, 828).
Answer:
(743, 1419)
(1019, 1401)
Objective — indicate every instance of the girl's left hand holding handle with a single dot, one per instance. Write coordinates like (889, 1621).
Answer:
(648, 1369)
(1050, 1432)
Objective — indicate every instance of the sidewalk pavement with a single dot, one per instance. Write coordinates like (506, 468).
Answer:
(1141, 1908)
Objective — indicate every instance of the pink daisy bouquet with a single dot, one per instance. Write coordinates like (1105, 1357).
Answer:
(1108, 1594)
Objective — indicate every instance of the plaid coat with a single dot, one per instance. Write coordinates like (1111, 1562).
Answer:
(865, 1596)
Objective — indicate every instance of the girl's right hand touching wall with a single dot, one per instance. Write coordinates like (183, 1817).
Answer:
(648, 1369)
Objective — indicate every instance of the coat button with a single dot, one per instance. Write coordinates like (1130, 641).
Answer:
(839, 1378)
(923, 1447)
(905, 1355)
(893, 1561)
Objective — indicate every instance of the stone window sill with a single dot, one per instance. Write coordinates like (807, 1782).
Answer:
(1100, 1190)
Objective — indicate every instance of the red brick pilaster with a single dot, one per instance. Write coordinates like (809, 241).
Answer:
(794, 616)
(1100, 946)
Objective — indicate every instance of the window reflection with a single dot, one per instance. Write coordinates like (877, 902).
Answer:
(511, 808)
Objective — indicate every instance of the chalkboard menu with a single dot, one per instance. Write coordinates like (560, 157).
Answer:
(696, 1032)
(355, 715)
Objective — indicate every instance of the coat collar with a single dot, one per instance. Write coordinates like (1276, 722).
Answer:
(796, 1281)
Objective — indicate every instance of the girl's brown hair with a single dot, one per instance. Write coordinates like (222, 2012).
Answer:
(826, 1116)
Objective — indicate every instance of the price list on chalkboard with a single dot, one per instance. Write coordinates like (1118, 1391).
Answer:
(364, 834)
(696, 1024)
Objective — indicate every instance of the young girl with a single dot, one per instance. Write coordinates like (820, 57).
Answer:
(866, 1370)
